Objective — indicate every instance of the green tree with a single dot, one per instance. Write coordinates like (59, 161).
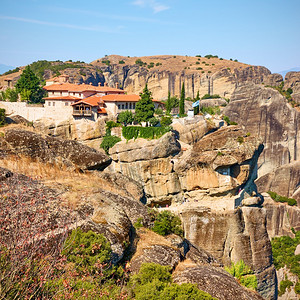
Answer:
(2, 116)
(30, 82)
(125, 117)
(181, 102)
(198, 96)
(169, 103)
(167, 223)
(144, 109)
(11, 95)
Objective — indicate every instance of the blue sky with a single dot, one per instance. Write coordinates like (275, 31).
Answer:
(264, 32)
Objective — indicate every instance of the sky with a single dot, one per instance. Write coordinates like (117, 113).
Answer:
(257, 32)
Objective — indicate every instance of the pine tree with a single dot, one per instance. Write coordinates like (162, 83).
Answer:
(144, 109)
(29, 84)
(181, 102)
(198, 96)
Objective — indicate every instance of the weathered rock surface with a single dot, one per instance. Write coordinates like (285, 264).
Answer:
(292, 80)
(218, 164)
(52, 150)
(102, 211)
(194, 265)
(283, 274)
(265, 113)
(81, 130)
(215, 281)
(232, 236)
(281, 217)
(284, 180)
(191, 131)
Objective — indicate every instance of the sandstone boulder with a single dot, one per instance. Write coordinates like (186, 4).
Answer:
(292, 80)
(215, 281)
(53, 150)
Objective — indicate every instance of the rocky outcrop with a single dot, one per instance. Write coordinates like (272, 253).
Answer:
(264, 113)
(292, 80)
(68, 153)
(281, 217)
(232, 236)
(214, 281)
(284, 181)
(219, 164)
(194, 265)
(110, 213)
(83, 130)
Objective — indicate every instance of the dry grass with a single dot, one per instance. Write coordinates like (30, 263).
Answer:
(74, 185)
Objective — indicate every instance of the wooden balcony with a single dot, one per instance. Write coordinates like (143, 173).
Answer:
(82, 113)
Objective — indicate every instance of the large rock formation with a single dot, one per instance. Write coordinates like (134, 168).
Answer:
(265, 113)
(86, 131)
(292, 80)
(68, 153)
(218, 165)
(232, 236)
(283, 180)
(190, 264)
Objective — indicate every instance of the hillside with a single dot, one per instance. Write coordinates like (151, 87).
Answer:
(162, 73)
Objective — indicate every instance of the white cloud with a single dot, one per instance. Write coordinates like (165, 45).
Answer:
(62, 25)
(154, 5)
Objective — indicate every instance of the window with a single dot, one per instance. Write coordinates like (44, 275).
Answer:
(126, 105)
(66, 103)
(133, 105)
(129, 105)
(122, 106)
(53, 103)
(119, 106)
(49, 103)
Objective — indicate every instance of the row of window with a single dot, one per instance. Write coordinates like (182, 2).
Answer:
(126, 106)
(53, 103)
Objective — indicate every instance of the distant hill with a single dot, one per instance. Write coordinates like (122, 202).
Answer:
(283, 73)
(5, 68)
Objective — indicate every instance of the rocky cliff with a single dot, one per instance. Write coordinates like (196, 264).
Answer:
(162, 73)
(265, 113)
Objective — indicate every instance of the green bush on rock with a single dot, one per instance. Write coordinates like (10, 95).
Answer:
(166, 223)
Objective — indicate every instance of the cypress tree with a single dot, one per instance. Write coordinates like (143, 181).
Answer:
(144, 109)
(169, 104)
(181, 102)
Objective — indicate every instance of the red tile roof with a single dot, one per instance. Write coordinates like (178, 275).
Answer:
(92, 100)
(101, 110)
(71, 98)
(80, 88)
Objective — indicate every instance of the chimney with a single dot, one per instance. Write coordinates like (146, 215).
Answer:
(105, 84)
(99, 84)
(117, 85)
(91, 83)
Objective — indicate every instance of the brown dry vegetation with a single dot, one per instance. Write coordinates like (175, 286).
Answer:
(176, 63)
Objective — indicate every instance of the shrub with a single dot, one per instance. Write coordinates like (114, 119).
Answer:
(88, 251)
(198, 55)
(167, 223)
(126, 117)
(155, 282)
(166, 121)
(159, 111)
(244, 274)
(240, 139)
(227, 120)
(208, 96)
(109, 141)
(197, 63)
(153, 121)
(133, 132)
(297, 287)
(138, 224)
(212, 110)
(199, 68)
(282, 199)
(2, 117)
(121, 62)
(184, 60)
(283, 249)
(284, 284)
